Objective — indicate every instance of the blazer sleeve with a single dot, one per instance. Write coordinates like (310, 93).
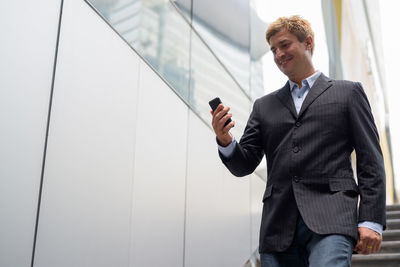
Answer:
(249, 151)
(370, 165)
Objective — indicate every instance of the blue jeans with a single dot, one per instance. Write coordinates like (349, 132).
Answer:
(311, 249)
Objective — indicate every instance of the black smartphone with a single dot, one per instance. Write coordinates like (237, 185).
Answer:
(214, 104)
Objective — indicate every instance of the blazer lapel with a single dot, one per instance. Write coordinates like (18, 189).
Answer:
(320, 85)
(285, 97)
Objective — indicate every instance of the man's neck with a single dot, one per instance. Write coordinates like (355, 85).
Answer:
(299, 78)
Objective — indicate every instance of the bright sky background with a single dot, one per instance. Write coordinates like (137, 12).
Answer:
(311, 10)
(389, 11)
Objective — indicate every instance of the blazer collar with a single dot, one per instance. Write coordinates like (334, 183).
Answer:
(285, 96)
(320, 85)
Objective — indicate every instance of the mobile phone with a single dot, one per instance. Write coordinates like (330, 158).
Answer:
(214, 104)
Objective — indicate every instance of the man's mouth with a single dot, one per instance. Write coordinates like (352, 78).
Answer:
(284, 61)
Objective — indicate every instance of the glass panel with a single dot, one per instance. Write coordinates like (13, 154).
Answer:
(209, 79)
(158, 31)
(185, 7)
(152, 28)
(226, 33)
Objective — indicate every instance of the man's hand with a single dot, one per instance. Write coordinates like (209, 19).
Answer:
(219, 117)
(368, 242)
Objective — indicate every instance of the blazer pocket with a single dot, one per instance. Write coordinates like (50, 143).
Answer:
(267, 193)
(343, 184)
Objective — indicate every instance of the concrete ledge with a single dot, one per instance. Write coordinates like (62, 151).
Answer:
(395, 214)
(393, 207)
(391, 235)
(376, 260)
(393, 224)
(390, 247)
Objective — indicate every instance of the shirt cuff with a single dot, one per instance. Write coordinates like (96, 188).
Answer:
(227, 151)
(373, 226)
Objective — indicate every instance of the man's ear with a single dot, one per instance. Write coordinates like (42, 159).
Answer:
(309, 42)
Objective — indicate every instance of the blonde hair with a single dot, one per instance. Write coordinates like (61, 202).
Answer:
(295, 25)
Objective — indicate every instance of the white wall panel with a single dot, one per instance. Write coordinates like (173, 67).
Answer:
(257, 192)
(27, 48)
(218, 205)
(160, 169)
(235, 200)
(87, 196)
(205, 216)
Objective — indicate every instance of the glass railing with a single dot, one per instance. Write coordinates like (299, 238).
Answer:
(161, 33)
(210, 79)
(226, 33)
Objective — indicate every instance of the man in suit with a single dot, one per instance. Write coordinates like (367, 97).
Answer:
(307, 131)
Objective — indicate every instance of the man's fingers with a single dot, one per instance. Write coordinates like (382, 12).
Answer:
(377, 241)
(216, 115)
(368, 245)
(369, 241)
(360, 246)
(376, 247)
(357, 246)
(225, 118)
(219, 117)
(225, 129)
(220, 114)
(228, 127)
(217, 111)
(219, 108)
(370, 248)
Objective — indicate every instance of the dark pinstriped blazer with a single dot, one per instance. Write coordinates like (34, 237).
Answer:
(309, 164)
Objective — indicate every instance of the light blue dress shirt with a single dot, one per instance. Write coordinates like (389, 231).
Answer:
(298, 96)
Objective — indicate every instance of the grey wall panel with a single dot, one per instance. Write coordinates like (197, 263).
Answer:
(235, 200)
(257, 192)
(205, 216)
(87, 195)
(160, 170)
(27, 49)
(218, 205)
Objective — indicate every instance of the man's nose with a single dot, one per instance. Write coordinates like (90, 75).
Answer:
(279, 53)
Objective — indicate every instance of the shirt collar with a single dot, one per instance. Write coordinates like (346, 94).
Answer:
(309, 80)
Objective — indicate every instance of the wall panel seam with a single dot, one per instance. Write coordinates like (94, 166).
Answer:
(133, 163)
(47, 135)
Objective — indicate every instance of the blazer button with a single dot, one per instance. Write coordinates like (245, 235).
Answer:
(296, 149)
(298, 124)
(296, 179)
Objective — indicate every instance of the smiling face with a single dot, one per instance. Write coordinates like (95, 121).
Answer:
(291, 56)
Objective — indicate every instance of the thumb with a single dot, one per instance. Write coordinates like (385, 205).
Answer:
(359, 245)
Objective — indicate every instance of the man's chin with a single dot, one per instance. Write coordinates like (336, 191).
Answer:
(285, 71)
